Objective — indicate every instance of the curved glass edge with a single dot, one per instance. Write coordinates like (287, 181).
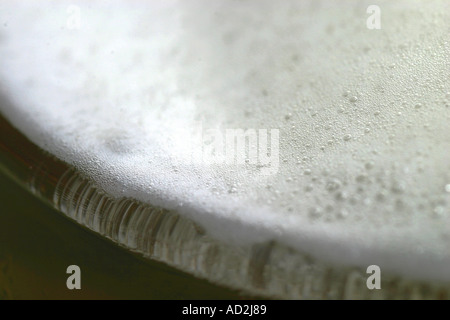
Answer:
(267, 269)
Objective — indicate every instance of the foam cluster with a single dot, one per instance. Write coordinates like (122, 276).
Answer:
(357, 119)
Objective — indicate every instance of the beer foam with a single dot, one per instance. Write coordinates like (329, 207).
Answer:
(363, 175)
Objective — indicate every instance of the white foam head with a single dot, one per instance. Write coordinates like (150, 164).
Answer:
(360, 173)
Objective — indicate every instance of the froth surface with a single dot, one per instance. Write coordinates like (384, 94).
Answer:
(363, 115)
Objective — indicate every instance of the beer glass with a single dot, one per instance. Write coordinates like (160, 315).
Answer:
(294, 151)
